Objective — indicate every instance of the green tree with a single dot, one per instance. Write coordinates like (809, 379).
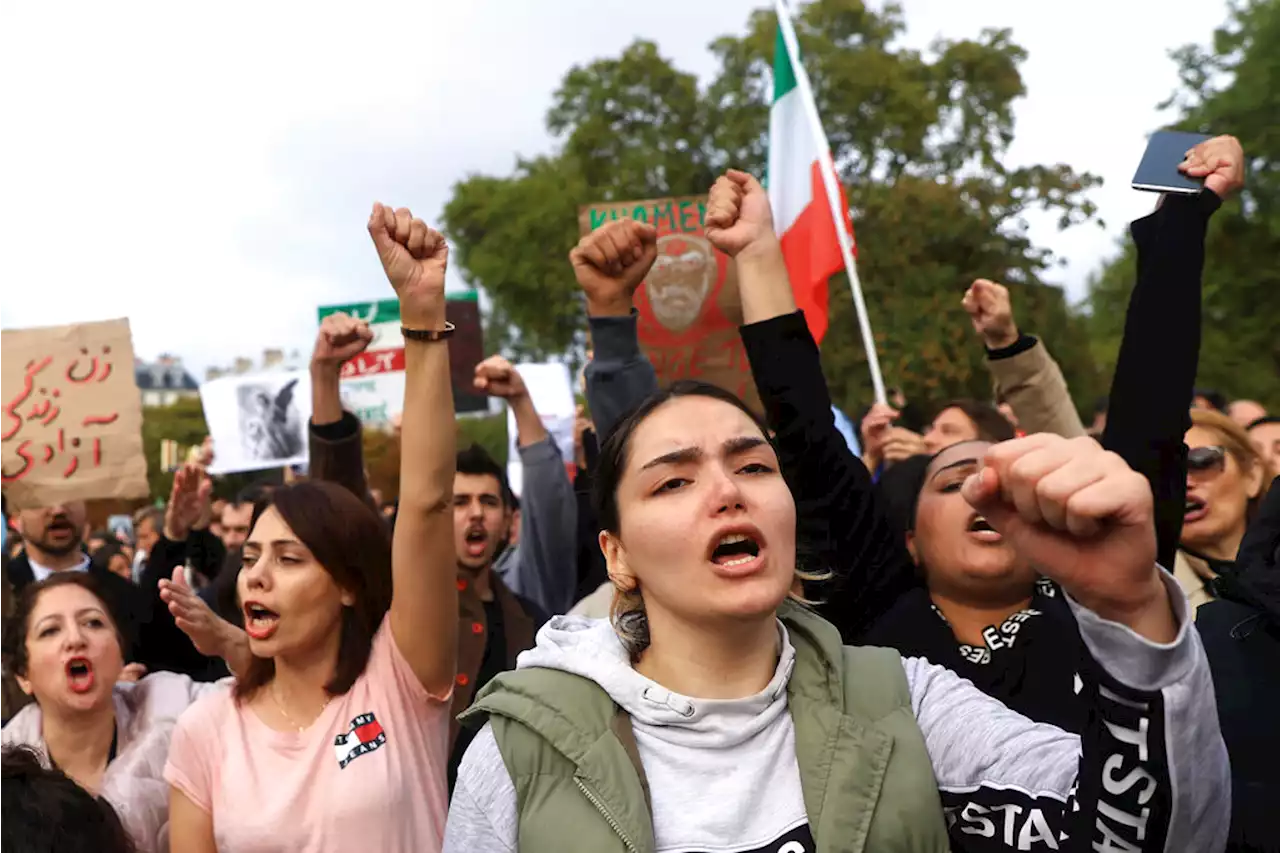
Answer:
(917, 139)
(1227, 87)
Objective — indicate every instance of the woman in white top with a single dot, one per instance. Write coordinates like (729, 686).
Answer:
(65, 648)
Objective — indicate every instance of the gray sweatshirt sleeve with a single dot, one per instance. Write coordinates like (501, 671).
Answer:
(544, 566)
(1149, 772)
(619, 376)
(482, 813)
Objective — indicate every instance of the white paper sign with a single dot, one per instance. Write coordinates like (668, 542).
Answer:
(552, 393)
(258, 421)
(374, 399)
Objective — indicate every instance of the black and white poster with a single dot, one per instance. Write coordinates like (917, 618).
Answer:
(258, 421)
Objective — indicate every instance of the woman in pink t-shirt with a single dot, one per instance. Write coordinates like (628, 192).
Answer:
(336, 736)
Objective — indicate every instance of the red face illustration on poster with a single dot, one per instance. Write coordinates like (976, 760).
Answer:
(688, 305)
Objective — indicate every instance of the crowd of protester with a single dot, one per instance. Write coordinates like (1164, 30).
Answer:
(972, 624)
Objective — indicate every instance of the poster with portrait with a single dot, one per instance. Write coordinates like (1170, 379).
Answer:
(72, 415)
(689, 305)
(259, 421)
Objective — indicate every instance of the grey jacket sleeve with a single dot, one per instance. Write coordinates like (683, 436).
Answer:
(1149, 772)
(619, 376)
(482, 812)
(544, 566)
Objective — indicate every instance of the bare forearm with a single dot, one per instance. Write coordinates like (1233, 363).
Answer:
(326, 397)
(235, 649)
(428, 442)
(424, 606)
(763, 283)
(529, 426)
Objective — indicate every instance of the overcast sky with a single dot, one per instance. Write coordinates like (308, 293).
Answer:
(207, 170)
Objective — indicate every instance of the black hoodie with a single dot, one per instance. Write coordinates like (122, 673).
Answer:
(1241, 636)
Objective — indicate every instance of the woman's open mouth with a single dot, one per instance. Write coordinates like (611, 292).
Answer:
(979, 528)
(736, 554)
(1196, 509)
(80, 675)
(259, 622)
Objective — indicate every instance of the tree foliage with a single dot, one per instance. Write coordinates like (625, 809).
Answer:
(917, 138)
(1229, 86)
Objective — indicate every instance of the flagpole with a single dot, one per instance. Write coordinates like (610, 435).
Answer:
(832, 187)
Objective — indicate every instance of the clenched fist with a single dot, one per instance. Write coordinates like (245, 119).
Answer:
(341, 338)
(498, 378)
(1220, 161)
(414, 257)
(610, 263)
(738, 214)
(1083, 518)
(991, 313)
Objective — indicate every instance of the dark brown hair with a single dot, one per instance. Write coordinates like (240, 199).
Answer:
(352, 544)
(16, 627)
(45, 811)
(990, 424)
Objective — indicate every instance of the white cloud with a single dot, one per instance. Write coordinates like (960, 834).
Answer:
(207, 171)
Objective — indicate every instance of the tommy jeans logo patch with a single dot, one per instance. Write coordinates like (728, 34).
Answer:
(364, 735)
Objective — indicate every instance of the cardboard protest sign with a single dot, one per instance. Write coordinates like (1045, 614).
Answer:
(72, 415)
(689, 305)
(258, 421)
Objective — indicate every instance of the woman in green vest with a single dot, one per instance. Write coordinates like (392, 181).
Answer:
(712, 713)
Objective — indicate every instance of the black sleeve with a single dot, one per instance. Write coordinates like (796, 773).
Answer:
(162, 644)
(838, 514)
(1148, 411)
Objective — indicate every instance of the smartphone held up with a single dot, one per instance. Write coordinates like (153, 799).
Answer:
(1158, 172)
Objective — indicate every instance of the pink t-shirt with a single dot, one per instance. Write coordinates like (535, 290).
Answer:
(368, 774)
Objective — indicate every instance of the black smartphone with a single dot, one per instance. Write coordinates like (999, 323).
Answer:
(1158, 171)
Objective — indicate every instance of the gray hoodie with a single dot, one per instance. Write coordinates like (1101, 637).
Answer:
(724, 777)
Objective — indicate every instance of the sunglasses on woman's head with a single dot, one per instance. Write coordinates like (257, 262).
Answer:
(1210, 458)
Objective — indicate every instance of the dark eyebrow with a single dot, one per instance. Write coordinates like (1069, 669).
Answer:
(731, 447)
(960, 463)
(276, 542)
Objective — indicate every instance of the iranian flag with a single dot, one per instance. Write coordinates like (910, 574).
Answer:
(801, 210)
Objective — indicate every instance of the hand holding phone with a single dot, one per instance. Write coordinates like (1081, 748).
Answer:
(1186, 163)
(1220, 162)
(1160, 170)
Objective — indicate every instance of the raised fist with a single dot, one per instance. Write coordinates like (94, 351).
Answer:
(1083, 518)
(498, 378)
(341, 338)
(738, 214)
(610, 263)
(414, 258)
(1220, 161)
(991, 313)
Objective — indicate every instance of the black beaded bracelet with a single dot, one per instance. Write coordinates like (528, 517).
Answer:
(428, 335)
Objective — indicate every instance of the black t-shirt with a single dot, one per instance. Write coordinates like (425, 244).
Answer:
(1030, 661)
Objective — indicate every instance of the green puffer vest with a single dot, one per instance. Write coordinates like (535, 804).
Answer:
(867, 780)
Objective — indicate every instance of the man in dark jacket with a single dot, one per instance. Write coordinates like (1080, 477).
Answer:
(53, 543)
